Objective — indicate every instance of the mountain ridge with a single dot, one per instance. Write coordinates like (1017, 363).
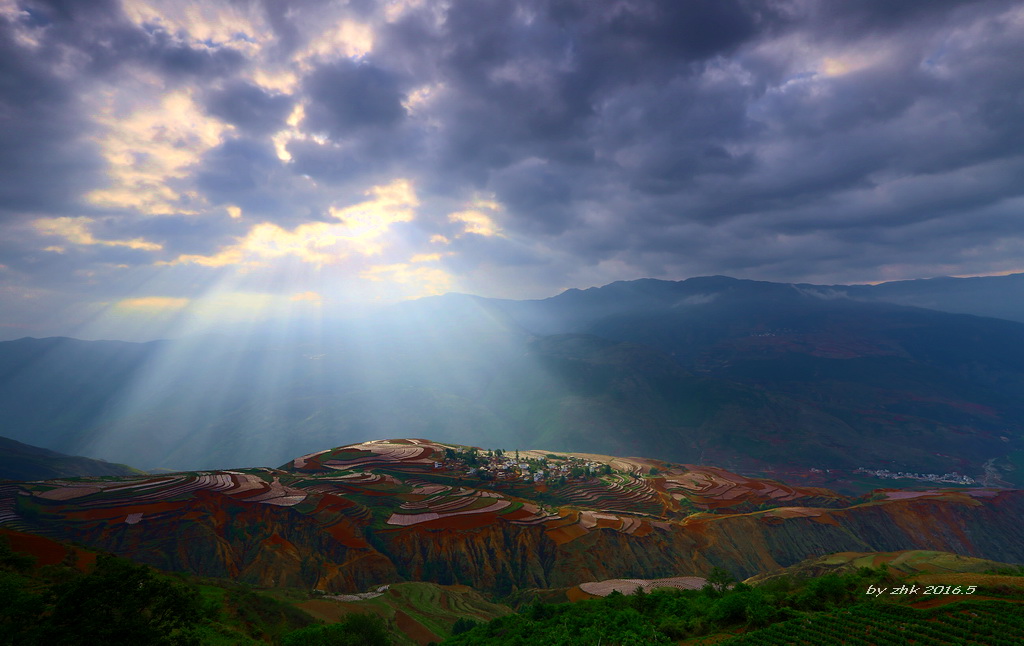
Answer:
(20, 461)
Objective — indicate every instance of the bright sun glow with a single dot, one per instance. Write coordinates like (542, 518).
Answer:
(76, 231)
(148, 148)
(361, 229)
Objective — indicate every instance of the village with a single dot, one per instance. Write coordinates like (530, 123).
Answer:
(497, 464)
(950, 478)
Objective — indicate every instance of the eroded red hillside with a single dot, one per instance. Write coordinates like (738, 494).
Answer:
(348, 518)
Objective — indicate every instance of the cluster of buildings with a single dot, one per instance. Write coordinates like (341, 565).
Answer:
(950, 478)
(498, 465)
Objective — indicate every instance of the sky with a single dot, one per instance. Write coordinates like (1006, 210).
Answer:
(170, 166)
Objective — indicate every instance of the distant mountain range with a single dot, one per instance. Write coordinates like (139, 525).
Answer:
(753, 376)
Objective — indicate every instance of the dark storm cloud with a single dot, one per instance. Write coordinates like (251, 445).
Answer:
(69, 266)
(338, 165)
(247, 173)
(869, 16)
(249, 107)
(618, 41)
(679, 117)
(45, 158)
(540, 194)
(236, 168)
(348, 96)
(177, 234)
(279, 16)
(104, 41)
(472, 251)
(176, 60)
(554, 82)
(365, 157)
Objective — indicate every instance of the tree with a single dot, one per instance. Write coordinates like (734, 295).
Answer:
(123, 603)
(719, 579)
(824, 591)
(13, 561)
(463, 625)
(19, 609)
(356, 629)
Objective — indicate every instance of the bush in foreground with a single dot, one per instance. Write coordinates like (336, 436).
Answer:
(353, 630)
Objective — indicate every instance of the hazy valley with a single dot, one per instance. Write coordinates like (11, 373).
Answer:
(646, 434)
(756, 377)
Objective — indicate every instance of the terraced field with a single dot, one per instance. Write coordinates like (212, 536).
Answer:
(347, 518)
(626, 493)
(139, 498)
(341, 488)
(714, 488)
(380, 478)
(405, 455)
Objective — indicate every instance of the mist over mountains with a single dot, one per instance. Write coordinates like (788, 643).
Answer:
(747, 375)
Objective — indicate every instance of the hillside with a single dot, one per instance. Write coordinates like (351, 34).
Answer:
(907, 562)
(25, 462)
(364, 515)
(995, 296)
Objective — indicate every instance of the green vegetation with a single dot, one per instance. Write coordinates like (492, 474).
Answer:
(120, 602)
(117, 603)
(247, 616)
(1007, 571)
(831, 609)
(464, 625)
(354, 630)
(985, 623)
(438, 609)
(900, 563)
(470, 457)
